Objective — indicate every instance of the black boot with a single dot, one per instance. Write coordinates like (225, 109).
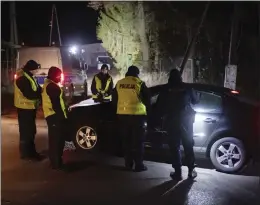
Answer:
(192, 173)
(129, 165)
(177, 174)
(58, 165)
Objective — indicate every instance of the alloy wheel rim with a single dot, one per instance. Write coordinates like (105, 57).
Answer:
(86, 137)
(229, 155)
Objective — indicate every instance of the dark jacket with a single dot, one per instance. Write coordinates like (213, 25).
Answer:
(25, 87)
(175, 102)
(104, 79)
(144, 96)
(54, 91)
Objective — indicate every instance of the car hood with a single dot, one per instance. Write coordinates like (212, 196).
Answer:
(85, 103)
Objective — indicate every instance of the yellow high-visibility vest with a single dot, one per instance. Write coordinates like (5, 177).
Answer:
(19, 100)
(129, 102)
(46, 101)
(99, 86)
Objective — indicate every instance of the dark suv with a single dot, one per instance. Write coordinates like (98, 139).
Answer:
(225, 127)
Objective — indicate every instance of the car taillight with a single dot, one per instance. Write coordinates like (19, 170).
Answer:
(234, 92)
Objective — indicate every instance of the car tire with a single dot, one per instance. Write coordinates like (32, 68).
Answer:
(85, 138)
(228, 155)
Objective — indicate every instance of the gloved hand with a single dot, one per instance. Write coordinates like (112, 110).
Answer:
(99, 96)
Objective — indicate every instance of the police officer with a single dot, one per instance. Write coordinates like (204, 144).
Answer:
(27, 95)
(102, 85)
(132, 100)
(55, 114)
(174, 105)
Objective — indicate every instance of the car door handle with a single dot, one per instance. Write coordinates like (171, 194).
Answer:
(210, 120)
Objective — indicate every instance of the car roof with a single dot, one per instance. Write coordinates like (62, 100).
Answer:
(211, 88)
(197, 86)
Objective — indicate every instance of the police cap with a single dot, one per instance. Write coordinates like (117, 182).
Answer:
(31, 65)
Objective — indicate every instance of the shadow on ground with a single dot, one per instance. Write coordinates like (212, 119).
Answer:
(251, 169)
(162, 193)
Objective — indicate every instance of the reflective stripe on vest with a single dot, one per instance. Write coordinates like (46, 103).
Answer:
(129, 102)
(46, 101)
(19, 100)
(99, 86)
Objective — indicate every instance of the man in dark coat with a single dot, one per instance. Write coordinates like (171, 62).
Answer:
(174, 106)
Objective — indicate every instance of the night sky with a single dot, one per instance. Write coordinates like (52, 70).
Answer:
(77, 22)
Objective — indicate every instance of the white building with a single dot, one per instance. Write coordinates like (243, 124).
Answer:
(90, 53)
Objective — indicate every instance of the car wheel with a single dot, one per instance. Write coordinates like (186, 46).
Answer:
(86, 138)
(228, 155)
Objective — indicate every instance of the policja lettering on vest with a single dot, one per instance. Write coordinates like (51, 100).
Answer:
(129, 101)
(127, 86)
(132, 99)
(27, 95)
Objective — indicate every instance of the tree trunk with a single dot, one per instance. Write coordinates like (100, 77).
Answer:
(143, 37)
(156, 58)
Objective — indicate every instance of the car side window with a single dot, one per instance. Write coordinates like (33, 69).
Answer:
(208, 103)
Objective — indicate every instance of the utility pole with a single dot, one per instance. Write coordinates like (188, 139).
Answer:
(54, 12)
(13, 41)
(193, 40)
(231, 67)
(13, 27)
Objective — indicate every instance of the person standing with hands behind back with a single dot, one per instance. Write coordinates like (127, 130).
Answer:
(55, 114)
(27, 95)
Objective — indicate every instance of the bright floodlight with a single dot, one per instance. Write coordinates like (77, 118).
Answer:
(73, 50)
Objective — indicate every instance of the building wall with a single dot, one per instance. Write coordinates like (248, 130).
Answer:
(90, 52)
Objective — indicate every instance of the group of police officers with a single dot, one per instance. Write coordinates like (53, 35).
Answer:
(132, 100)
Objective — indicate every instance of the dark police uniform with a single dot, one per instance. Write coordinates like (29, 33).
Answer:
(174, 105)
(133, 101)
(27, 95)
(55, 114)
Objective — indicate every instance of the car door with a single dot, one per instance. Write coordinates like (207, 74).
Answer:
(208, 112)
(108, 124)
